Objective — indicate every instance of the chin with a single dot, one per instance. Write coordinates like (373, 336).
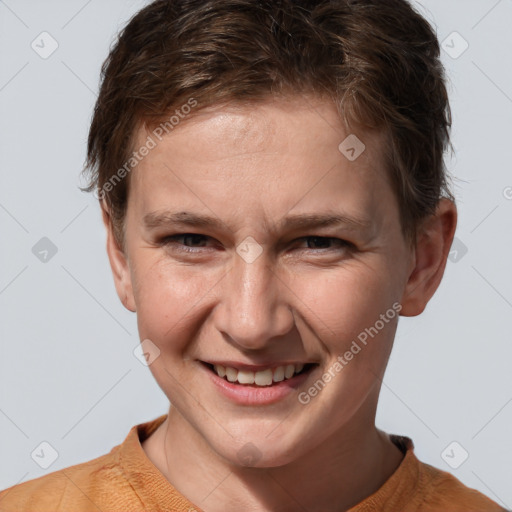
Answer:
(258, 452)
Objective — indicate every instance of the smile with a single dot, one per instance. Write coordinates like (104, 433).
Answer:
(263, 378)
(260, 378)
(258, 384)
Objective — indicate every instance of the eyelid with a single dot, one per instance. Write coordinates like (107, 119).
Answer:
(338, 242)
(169, 239)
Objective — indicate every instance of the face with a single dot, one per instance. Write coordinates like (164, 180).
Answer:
(253, 242)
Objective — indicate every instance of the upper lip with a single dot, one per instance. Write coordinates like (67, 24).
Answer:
(255, 367)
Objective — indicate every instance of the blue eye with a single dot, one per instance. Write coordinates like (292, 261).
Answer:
(323, 240)
(184, 241)
(191, 237)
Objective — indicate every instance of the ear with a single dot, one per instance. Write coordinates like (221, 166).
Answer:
(118, 263)
(432, 248)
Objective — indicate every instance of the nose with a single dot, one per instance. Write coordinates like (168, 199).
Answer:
(253, 307)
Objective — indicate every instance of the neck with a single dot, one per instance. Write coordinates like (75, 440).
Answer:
(341, 472)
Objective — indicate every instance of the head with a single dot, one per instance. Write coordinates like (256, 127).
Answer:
(244, 125)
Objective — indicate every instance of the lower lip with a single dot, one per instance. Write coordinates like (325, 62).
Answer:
(246, 394)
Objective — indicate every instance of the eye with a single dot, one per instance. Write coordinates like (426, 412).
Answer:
(324, 242)
(188, 238)
(196, 243)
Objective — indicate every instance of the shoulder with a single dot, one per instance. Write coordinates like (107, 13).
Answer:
(80, 485)
(419, 487)
(110, 482)
(440, 490)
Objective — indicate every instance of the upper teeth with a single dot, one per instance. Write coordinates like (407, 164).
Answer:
(261, 378)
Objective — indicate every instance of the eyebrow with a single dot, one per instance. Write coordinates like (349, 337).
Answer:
(301, 221)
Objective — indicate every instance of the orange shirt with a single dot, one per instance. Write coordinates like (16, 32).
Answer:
(125, 480)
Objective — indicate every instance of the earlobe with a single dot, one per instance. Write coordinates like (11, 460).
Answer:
(433, 244)
(118, 263)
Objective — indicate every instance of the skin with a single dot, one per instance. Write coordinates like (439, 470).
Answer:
(300, 300)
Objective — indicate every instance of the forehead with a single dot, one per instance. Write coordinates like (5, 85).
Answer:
(262, 160)
(302, 122)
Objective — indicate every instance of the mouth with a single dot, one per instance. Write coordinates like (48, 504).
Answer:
(266, 377)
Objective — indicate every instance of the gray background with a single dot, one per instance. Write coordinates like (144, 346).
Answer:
(68, 375)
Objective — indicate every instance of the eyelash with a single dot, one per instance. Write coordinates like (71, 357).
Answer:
(171, 240)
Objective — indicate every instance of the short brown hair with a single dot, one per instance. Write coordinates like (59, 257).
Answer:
(377, 60)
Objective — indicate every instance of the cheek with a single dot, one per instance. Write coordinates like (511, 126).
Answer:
(340, 304)
(167, 297)
(343, 312)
